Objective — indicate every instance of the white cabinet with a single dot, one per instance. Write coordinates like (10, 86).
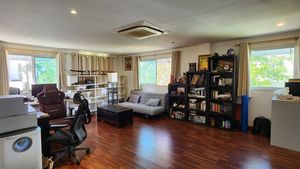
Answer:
(93, 88)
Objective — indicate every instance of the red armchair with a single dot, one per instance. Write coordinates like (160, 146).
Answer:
(51, 101)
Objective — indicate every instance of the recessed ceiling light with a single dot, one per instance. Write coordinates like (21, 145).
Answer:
(280, 24)
(73, 12)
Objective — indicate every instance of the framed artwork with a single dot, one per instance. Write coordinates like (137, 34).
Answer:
(128, 64)
(203, 62)
(192, 67)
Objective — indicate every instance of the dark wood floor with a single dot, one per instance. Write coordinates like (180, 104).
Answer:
(167, 143)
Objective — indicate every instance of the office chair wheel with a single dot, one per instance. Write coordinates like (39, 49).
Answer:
(88, 151)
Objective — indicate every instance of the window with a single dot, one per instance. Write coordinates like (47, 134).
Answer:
(163, 71)
(155, 71)
(271, 67)
(26, 70)
(147, 71)
(45, 70)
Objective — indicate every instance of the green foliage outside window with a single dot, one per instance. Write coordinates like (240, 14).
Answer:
(147, 72)
(271, 68)
(45, 70)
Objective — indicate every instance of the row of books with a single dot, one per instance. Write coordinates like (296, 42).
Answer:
(193, 104)
(217, 95)
(211, 121)
(220, 108)
(198, 79)
(177, 115)
(196, 118)
(219, 80)
(197, 92)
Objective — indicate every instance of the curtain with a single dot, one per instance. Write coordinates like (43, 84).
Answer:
(243, 74)
(4, 82)
(62, 71)
(85, 62)
(135, 68)
(175, 67)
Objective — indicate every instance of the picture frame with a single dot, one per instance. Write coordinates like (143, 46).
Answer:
(127, 63)
(203, 62)
(192, 67)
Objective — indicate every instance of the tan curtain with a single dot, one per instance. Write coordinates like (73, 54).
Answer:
(62, 71)
(4, 82)
(243, 74)
(135, 67)
(85, 62)
(175, 67)
(75, 61)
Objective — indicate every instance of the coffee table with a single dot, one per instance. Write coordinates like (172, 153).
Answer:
(115, 114)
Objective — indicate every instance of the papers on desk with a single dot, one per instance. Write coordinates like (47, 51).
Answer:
(283, 94)
(38, 113)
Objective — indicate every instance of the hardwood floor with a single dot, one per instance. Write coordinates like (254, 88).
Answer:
(167, 143)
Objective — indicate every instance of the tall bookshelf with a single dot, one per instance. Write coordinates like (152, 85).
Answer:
(177, 101)
(210, 96)
(198, 92)
(222, 91)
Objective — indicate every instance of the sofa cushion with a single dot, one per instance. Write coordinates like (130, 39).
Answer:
(134, 98)
(142, 108)
(153, 102)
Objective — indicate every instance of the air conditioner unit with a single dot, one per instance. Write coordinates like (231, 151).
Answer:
(141, 30)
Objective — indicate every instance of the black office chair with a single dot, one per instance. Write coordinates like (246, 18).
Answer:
(76, 134)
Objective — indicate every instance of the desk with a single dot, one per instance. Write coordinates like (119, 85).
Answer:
(35, 103)
(285, 124)
(43, 123)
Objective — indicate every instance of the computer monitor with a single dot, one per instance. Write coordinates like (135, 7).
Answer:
(37, 88)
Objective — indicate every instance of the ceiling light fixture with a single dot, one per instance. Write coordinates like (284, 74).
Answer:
(280, 24)
(73, 12)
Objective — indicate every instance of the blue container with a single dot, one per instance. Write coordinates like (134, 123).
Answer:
(244, 115)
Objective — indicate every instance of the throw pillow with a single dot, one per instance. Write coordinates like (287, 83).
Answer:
(153, 102)
(134, 98)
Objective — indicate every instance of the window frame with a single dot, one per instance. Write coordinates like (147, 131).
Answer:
(270, 47)
(154, 58)
(32, 60)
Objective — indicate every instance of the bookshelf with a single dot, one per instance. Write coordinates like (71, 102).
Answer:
(177, 101)
(210, 95)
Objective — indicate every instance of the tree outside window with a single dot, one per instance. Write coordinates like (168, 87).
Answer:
(272, 67)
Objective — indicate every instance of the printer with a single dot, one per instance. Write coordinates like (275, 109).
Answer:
(14, 114)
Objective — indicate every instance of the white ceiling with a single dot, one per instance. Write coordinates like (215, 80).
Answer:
(49, 23)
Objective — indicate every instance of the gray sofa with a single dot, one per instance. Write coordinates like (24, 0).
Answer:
(141, 106)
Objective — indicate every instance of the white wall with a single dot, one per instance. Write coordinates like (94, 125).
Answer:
(188, 55)
(260, 104)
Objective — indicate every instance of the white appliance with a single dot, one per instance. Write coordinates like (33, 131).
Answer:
(13, 123)
(12, 105)
(21, 149)
(14, 114)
